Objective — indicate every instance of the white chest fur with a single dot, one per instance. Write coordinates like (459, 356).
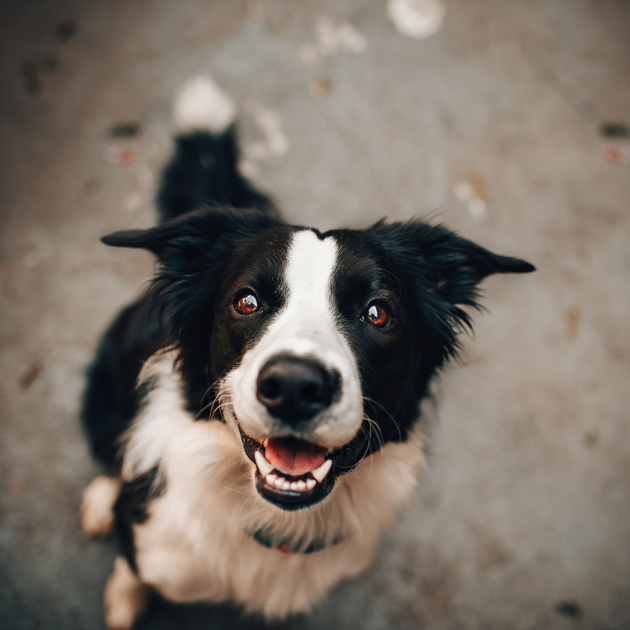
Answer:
(194, 545)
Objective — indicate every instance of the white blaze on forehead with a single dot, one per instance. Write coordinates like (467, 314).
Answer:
(309, 271)
(306, 326)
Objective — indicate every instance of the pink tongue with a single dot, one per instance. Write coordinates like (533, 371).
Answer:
(294, 457)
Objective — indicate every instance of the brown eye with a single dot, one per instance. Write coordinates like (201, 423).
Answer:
(377, 315)
(247, 304)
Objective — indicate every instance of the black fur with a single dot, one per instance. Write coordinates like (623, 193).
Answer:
(131, 509)
(204, 172)
(111, 400)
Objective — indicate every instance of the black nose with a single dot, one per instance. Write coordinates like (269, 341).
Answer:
(295, 389)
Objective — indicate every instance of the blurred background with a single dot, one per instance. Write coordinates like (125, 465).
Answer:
(505, 120)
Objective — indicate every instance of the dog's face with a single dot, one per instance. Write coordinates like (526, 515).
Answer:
(317, 347)
(313, 342)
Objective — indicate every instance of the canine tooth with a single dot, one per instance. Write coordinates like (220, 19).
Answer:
(263, 465)
(301, 484)
(321, 472)
(311, 483)
(270, 478)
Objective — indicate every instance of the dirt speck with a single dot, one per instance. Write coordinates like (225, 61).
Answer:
(66, 30)
(31, 375)
(320, 86)
(573, 317)
(569, 609)
(478, 183)
(31, 77)
(124, 130)
(16, 486)
(10, 285)
(591, 439)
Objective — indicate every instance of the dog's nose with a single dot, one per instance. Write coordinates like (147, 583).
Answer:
(295, 389)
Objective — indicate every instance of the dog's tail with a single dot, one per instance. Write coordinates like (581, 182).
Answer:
(203, 171)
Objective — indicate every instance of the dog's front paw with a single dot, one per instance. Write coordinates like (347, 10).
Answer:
(97, 507)
(125, 598)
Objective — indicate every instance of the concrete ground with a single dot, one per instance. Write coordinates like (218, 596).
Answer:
(492, 125)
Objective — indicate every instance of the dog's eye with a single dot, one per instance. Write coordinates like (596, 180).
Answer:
(247, 304)
(377, 315)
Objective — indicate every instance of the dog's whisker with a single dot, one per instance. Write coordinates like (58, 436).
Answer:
(391, 417)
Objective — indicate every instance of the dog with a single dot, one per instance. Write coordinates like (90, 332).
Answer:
(256, 408)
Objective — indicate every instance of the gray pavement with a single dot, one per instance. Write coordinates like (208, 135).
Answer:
(492, 125)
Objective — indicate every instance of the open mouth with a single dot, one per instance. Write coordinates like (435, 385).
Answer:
(290, 473)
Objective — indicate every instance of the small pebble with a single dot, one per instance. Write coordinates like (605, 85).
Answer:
(319, 87)
(10, 284)
(416, 18)
(66, 30)
(572, 610)
(615, 130)
(31, 375)
(16, 486)
(48, 63)
(31, 77)
(114, 154)
(591, 439)
(619, 155)
(133, 201)
(124, 130)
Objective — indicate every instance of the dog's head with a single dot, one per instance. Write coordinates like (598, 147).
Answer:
(315, 348)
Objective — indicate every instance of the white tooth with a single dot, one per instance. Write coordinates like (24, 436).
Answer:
(270, 478)
(263, 465)
(311, 483)
(321, 472)
(286, 485)
(301, 485)
(279, 482)
(294, 485)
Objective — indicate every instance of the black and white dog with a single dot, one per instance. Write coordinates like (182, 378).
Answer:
(255, 406)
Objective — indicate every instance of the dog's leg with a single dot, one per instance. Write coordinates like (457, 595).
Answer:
(97, 507)
(125, 598)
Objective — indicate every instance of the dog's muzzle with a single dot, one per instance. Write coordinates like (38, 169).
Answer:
(291, 471)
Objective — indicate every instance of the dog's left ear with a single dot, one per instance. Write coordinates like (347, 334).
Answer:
(457, 265)
(446, 264)
(445, 271)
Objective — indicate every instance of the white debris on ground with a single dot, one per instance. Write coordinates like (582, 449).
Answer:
(331, 39)
(465, 192)
(134, 201)
(116, 154)
(416, 18)
(142, 195)
(41, 250)
(618, 155)
(273, 144)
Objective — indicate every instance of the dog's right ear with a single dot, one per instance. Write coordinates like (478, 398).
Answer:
(153, 239)
(195, 231)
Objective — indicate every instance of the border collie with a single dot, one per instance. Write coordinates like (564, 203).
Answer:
(254, 408)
